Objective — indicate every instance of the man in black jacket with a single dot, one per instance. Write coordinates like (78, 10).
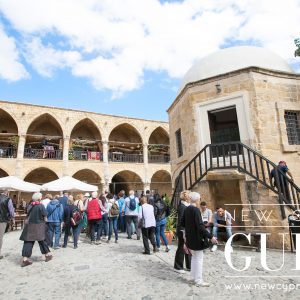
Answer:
(7, 215)
(180, 254)
(196, 237)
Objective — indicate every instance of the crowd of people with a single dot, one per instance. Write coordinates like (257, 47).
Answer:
(103, 216)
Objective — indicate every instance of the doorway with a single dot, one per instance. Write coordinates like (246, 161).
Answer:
(223, 125)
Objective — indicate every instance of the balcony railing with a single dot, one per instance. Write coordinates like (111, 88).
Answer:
(8, 152)
(121, 157)
(159, 159)
(42, 154)
(85, 155)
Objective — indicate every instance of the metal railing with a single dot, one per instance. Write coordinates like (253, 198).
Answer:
(42, 154)
(246, 160)
(159, 159)
(8, 152)
(85, 155)
(121, 157)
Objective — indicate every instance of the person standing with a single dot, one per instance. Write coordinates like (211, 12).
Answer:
(34, 230)
(121, 202)
(180, 255)
(55, 214)
(195, 236)
(68, 214)
(7, 214)
(160, 210)
(131, 208)
(64, 199)
(94, 217)
(113, 214)
(104, 212)
(147, 221)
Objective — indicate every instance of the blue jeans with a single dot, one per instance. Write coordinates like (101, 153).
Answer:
(104, 228)
(122, 223)
(113, 225)
(216, 229)
(54, 228)
(160, 232)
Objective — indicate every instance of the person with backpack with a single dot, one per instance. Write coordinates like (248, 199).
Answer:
(131, 209)
(71, 220)
(94, 217)
(121, 219)
(113, 214)
(55, 213)
(160, 212)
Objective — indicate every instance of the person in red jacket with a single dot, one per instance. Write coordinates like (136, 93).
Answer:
(94, 218)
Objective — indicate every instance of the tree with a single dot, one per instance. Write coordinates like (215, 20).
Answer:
(297, 43)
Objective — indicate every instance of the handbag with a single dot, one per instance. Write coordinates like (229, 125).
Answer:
(142, 221)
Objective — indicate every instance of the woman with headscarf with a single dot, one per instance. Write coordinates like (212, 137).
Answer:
(34, 230)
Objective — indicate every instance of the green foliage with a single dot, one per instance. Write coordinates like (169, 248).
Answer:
(297, 43)
(14, 140)
(171, 222)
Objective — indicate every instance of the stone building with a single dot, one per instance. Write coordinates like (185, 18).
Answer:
(40, 144)
(241, 94)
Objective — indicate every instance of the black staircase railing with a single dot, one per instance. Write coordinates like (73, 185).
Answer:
(246, 160)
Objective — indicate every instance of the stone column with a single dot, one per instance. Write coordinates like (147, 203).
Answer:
(145, 152)
(146, 168)
(65, 170)
(105, 166)
(105, 151)
(20, 155)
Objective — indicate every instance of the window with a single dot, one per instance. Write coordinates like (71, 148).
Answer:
(292, 126)
(179, 142)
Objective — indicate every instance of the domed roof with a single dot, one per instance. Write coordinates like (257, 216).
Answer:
(234, 58)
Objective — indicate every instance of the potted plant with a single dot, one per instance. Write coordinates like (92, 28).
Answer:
(171, 226)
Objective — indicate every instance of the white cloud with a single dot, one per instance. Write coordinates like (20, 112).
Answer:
(10, 67)
(113, 42)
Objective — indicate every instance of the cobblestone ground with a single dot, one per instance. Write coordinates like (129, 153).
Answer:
(120, 271)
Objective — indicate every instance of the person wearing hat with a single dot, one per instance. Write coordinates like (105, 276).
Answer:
(7, 214)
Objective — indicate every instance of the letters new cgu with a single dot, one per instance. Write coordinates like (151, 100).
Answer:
(262, 215)
(263, 258)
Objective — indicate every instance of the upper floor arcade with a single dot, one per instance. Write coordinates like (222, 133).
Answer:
(37, 132)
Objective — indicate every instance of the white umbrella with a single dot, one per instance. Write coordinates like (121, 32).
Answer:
(68, 183)
(13, 183)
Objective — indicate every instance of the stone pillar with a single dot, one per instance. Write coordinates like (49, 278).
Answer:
(20, 155)
(105, 151)
(65, 170)
(105, 166)
(145, 152)
(146, 168)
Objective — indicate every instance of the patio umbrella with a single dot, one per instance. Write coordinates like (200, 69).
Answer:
(13, 183)
(68, 183)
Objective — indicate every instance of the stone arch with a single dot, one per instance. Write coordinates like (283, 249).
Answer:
(89, 176)
(126, 180)
(159, 146)
(161, 182)
(3, 173)
(8, 135)
(43, 131)
(159, 136)
(125, 144)
(41, 175)
(85, 135)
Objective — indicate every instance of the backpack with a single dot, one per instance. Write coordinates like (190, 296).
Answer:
(76, 217)
(132, 203)
(114, 210)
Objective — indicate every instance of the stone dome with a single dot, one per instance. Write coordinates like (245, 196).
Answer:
(234, 58)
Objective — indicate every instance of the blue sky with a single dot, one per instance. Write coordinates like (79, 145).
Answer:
(127, 57)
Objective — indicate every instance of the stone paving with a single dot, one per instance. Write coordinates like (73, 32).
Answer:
(120, 271)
